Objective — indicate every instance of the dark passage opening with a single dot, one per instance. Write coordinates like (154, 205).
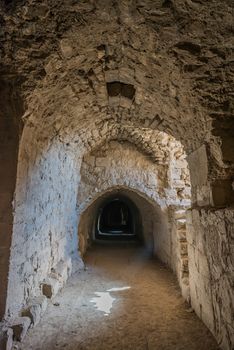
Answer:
(116, 220)
(116, 88)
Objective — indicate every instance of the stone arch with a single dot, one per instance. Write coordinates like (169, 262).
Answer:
(56, 154)
(144, 141)
(154, 218)
(176, 256)
(49, 160)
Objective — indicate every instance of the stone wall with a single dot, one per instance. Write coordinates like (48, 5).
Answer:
(84, 65)
(211, 268)
(45, 220)
(164, 179)
(164, 183)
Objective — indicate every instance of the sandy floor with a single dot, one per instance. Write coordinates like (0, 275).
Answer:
(149, 315)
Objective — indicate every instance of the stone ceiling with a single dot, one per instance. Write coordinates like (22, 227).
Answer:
(82, 65)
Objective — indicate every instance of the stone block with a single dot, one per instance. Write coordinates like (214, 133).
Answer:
(6, 339)
(178, 183)
(66, 48)
(183, 248)
(176, 174)
(114, 101)
(101, 161)
(77, 264)
(198, 165)
(111, 75)
(181, 235)
(125, 102)
(126, 75)
(62, 270)
(181, 224)
(181, 164)
(36, 309)
(185, 290)
(185, 264)
(50, 287)
(20, 327)
(180, 214)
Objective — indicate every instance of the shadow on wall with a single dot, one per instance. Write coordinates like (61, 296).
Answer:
(10, 111)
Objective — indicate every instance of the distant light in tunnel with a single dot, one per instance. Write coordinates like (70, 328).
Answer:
(104, 301)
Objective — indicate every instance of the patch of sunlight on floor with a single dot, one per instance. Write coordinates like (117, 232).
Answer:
(118, 289)
(104, 301)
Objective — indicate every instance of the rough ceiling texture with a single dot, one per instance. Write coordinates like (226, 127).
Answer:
(59, 53)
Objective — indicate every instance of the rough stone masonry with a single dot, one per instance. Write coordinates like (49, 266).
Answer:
(103, 96)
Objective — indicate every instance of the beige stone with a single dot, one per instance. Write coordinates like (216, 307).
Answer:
(20, 327)
(102, 97)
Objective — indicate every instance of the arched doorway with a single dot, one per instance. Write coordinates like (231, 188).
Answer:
(146, 222)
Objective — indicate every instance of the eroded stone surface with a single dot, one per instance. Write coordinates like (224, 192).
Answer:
(35, 309)
(211, 242)
(83, 74)
(20, 327)
(6, 339)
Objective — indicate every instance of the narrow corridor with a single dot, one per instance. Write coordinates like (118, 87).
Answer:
(146, 310)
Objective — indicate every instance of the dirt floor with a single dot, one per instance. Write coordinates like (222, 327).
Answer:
(147, 311)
